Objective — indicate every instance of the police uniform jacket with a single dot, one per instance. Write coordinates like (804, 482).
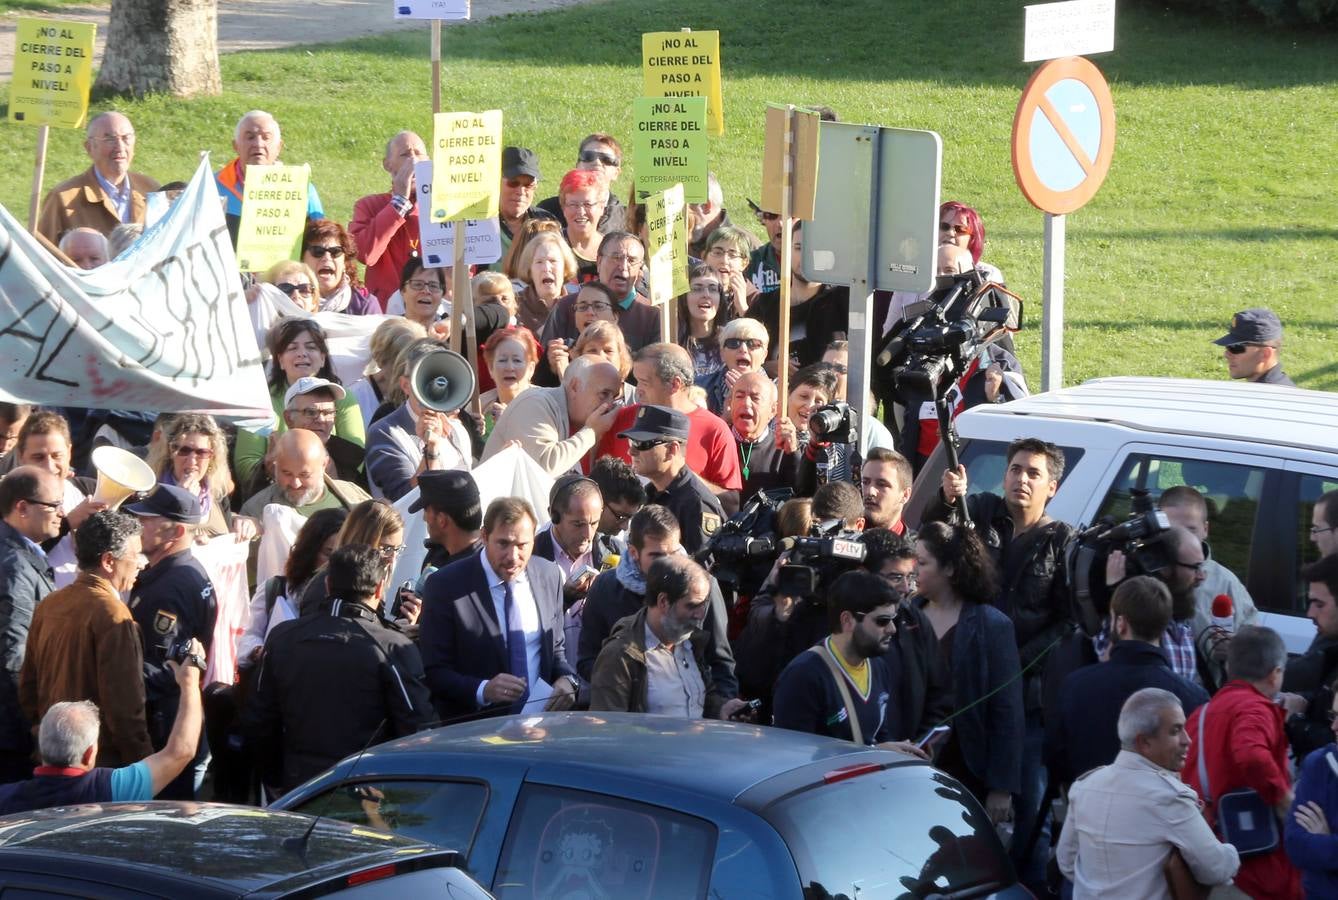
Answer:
(329, 685)
(697, 510)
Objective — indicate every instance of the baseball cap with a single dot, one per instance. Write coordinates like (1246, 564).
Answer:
(519, 161)
(308, 383)
(1252, 326)
(170, 502)
(447, 489)
(653, 422)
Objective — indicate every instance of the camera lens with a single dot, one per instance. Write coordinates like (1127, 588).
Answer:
(825, 421)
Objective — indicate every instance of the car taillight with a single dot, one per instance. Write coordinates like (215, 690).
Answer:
(847, 772)
(373, 874)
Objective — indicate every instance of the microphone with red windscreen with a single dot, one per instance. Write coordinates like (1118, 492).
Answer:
(1223, 618)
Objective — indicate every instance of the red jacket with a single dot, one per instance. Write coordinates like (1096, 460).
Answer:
(1246, 747)
(385, 242)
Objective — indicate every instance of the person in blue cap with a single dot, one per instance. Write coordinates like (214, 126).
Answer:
(172, 602)
(1254, 347)
(658, 437)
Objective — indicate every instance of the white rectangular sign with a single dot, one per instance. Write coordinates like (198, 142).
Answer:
(483, 237)
(1071, 28)
(432, 9)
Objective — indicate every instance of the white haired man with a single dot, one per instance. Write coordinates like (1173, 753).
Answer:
(257, 141)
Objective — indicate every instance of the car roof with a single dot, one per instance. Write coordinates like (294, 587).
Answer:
(1269, 414)
(708, 757)
(219, 846)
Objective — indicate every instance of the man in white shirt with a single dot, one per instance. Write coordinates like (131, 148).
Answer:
(1126, 818)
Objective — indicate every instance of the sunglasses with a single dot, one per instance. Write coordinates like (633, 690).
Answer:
(880, 621)
(520, 183)
(608, 159)
(1238, 349)
(643, 446)
(955, 229)
(736, 343)
(768, 217)
(291, 289)
(49, 504)
(321, 252)
(197, 452)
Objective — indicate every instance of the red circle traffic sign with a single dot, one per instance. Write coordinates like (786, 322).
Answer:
(1063, 135)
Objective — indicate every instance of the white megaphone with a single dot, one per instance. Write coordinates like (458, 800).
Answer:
(442, 380)
(120, 474)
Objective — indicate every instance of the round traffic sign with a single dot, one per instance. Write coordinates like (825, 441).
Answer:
(1063, 135)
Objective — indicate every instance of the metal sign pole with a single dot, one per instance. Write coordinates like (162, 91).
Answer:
(786, 271)
(1052, 305)
(859, 335)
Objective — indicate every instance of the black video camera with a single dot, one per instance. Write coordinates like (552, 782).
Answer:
(835, 423)
(1139, 537)
(742, 550)
(817, 560)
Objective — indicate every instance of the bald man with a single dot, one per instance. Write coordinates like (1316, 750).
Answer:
(257, 141)
(764, 461)
(86, 247)
(559, 426)
(105, 196)
(300, 480)
(385, 226)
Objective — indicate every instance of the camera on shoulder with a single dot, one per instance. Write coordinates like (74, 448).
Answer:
(1140, 537)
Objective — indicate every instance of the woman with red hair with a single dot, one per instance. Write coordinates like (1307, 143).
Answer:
(959, 224)
(583, 195)
(510, 354)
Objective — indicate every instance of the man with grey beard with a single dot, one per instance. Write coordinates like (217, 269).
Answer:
(301, 479)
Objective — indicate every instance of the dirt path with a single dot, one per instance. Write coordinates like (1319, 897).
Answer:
(271, 24)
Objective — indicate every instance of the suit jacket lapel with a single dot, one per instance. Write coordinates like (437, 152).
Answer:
(487, 613)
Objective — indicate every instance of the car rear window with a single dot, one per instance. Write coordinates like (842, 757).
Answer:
(892, 833)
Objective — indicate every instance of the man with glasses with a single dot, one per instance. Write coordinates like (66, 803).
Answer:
(1253, 347)
(623, 496)
(603, 154)
(31, 501)
(658, 437)
(172, 602)
(1324, 523)
(257, 141)
(1182, 577)
(620, 260)
(108, 194)
(385, 226)
(310, 403)
(764, 262)
(861, 706)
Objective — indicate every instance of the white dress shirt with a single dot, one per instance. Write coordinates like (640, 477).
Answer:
(527, 608)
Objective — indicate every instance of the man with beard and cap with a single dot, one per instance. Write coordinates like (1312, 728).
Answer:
(385, 226)
(1253, 347)
(841, 687)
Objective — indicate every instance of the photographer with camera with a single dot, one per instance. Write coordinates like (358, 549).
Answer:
(828, 431)
(173, 603)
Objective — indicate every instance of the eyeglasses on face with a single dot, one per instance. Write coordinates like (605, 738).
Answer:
(880, 621)
(955, 229)
(197, 452)
(768, 216)
(838, 368)
(424, 287)
(904, 578)
(49, 504)
(586, 205)
(390, 551)
(726, 253)
(523, 183)
(321, 252)
(290, 289)
(1320, 529)
(597, 307)
(736, 343)
(643, 446)
(706, 287)
(316, 413)
(607, 159)
(1193, 567)
(620, 258)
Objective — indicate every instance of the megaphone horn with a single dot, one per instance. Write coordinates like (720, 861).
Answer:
(442, 381)
(120, 474)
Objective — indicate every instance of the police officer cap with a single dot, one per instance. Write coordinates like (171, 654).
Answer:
(653, 422)
(1252, 326)
(449, 489)
(170, 502)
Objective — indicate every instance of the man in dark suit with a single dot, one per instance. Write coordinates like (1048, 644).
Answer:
(30, 506)
(491, 629)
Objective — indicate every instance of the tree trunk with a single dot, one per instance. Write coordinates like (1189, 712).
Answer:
(161, 46)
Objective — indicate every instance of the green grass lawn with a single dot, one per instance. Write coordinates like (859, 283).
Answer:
(1221, 195)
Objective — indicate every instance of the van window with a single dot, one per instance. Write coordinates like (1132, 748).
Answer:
(566, 843)
(1232, 492)
(1312, 487)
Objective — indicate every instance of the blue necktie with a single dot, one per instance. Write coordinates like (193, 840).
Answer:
(516, 661)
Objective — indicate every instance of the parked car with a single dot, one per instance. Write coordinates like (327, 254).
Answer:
(208, 850)
(638, 806)
(1261, 454)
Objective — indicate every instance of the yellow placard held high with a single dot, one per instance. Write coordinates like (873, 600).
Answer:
(274, 216)
(669, 145)
(53, 71)
(466, 165)
(667, 250)
(685, 64)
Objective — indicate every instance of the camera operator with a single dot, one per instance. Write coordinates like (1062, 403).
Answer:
(1182, 576)
(620, 592)
(827, 431)
(782, 626)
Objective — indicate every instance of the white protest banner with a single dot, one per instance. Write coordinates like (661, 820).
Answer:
(432, 9)
(348, 337)
(483, 237)
(224, 559)
(163, 327)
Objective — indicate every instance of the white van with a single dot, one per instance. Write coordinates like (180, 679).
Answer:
(1261, 454)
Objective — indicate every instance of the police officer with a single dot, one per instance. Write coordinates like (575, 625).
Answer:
(172, 602)
(333, 683)
(452, 514)
(658, 436)
(1254, 347)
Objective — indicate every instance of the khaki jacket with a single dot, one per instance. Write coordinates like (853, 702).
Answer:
(618, 682)
(80, 202)
(85, 645)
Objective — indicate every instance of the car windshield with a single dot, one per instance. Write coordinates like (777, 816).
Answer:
(892, 833)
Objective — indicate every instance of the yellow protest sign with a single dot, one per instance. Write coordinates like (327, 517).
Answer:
(685, 64)
(53, 71)
(669, 145)
(274, 216)
(667, 250)
(466, 165)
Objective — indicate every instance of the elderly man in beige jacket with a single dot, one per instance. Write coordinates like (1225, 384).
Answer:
(558, 426)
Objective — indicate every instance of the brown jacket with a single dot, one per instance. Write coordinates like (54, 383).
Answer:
(618, 682)
(85, 645)
(80, 202)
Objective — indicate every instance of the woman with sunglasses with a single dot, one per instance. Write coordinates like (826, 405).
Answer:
(743, 348)
(956, 581)
(328, 249)
(701, 315)
(297, 282)
(192, 453)
(960, 225)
